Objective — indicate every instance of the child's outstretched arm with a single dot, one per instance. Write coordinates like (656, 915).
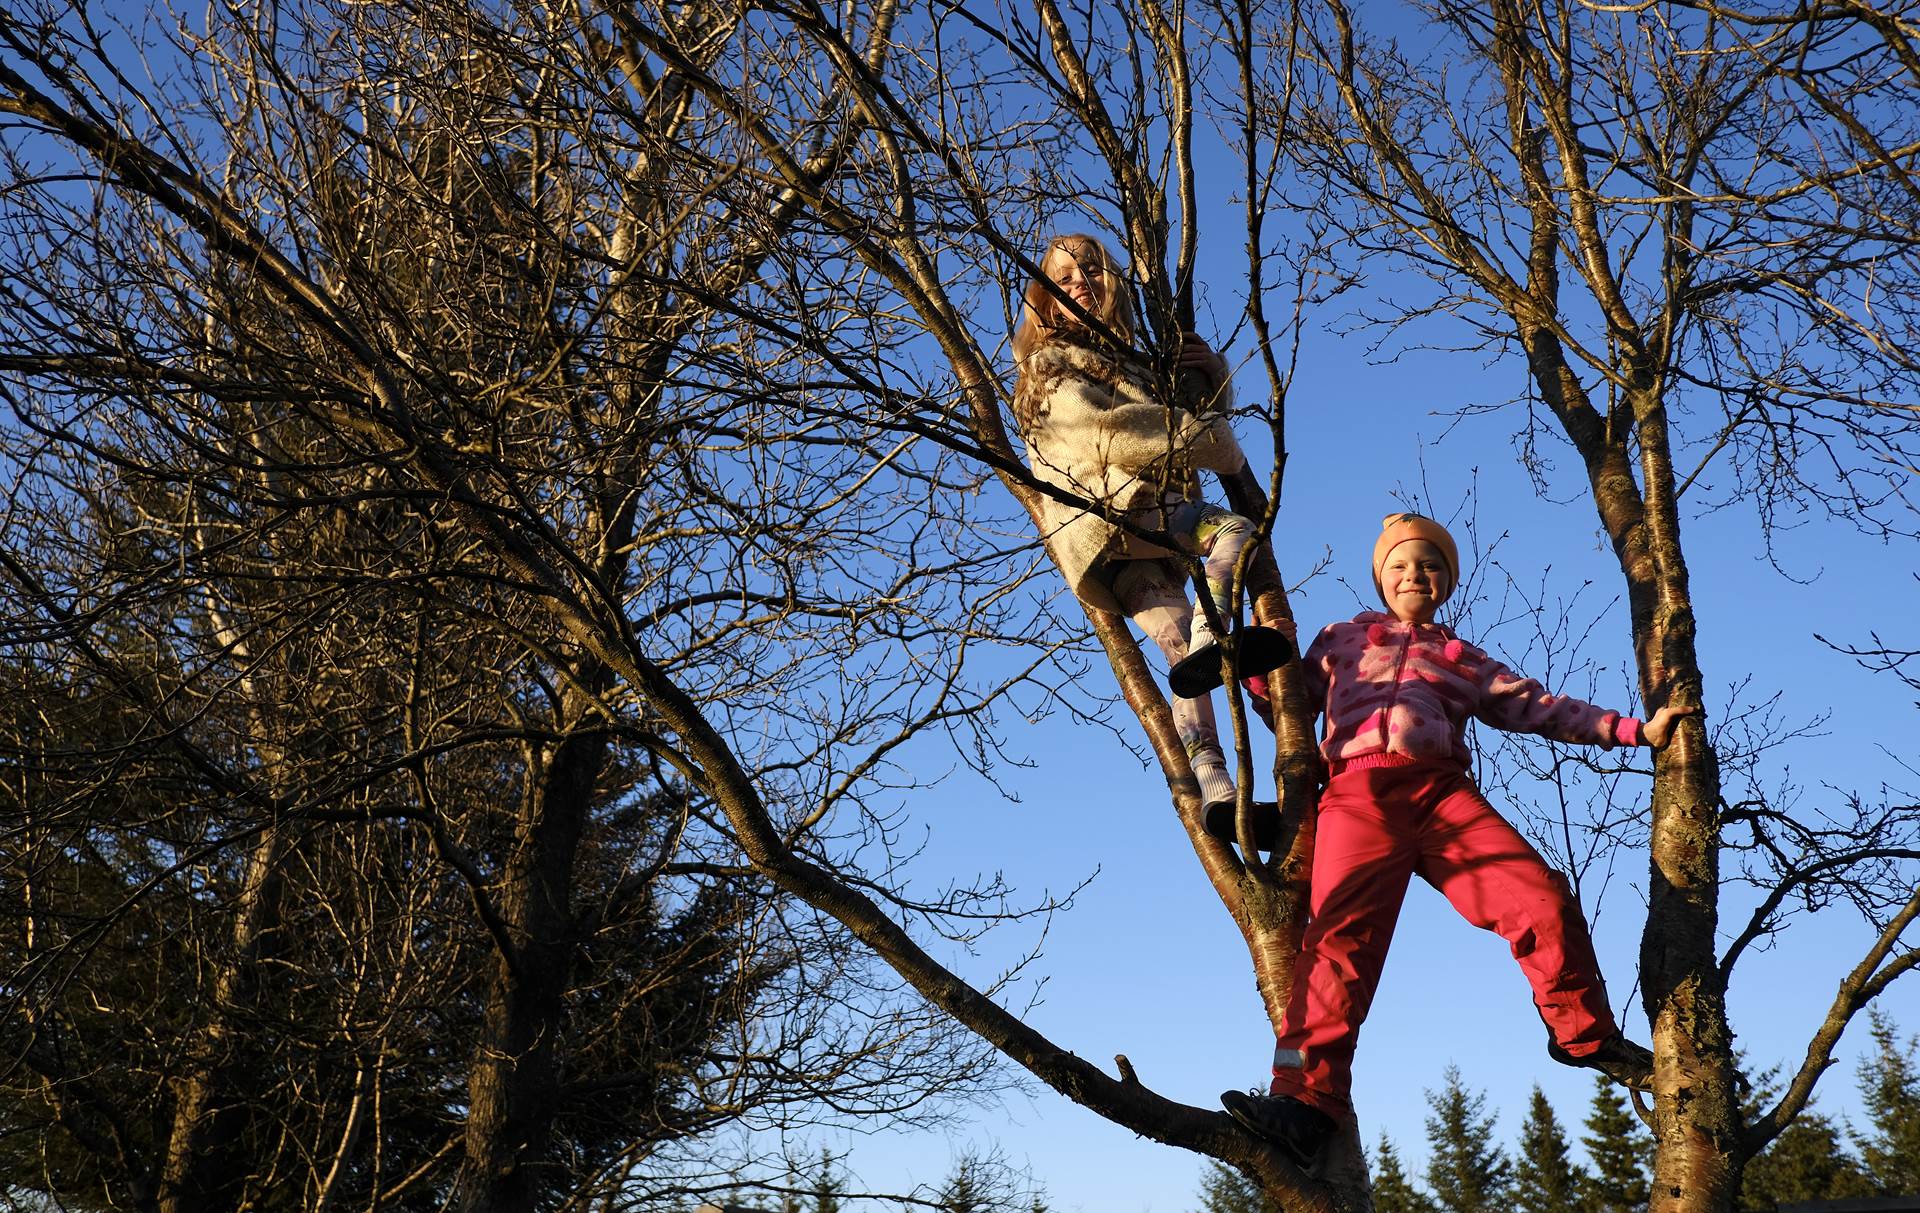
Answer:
(1521, 705)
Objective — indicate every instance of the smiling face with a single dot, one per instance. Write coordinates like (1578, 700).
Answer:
(1080, 268)
(1080, 277)
(1415, 580)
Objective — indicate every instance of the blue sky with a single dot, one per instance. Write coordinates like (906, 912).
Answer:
(1147, 963)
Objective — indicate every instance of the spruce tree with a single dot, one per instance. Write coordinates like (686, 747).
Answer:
(1890, 1089)
(963, 1192)
(829, 1181)
(1468, 1171)
(1545, 1177)
(1620, 1150)
(1225, 1190)
(1393, 1192)
(1807, 1162)
(790, 1195)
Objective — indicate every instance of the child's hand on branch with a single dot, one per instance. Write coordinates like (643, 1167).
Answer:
(1658, 731)
(1197, 355)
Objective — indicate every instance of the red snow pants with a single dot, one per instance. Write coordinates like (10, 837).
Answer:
(1381, 821)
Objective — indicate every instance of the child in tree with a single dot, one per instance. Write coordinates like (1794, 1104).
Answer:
(1397, 690)
(1096, 427)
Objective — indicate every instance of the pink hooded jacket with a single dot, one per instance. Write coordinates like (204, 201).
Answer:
(1406, 689)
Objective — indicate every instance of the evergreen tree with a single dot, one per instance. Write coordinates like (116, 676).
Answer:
(1621, 1152)
(1393, 1192)
(1225, 1190)
(1468, 1171)
(829, 1181)
(1545, 1178)
(1890, 1088)
(790, 1197)
(963, 1192)
(1808, 1161)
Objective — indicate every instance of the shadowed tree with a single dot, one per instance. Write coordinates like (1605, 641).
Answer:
(1619, 1149)
(1467, 1171)
(422, 915)
(653, 328)
(1545, 1177)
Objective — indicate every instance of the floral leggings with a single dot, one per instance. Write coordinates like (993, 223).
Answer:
(1153, 593)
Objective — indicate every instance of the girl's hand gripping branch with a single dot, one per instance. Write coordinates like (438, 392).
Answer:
(1658, 730)
(1197, 355)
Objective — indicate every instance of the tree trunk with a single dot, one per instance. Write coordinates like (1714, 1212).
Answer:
(192, 1175)
(514, 1090)
(1696, 1110)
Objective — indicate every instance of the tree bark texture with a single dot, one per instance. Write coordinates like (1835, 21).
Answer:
(1696, 1108)
(514, 1092)
(195, 1171)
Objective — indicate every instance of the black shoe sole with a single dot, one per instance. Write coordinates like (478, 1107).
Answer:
(1306, 1158)
(1258, 651)
(1220, 817)
(1614, 1071)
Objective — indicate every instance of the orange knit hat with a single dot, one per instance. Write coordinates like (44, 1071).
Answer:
(1396, 529)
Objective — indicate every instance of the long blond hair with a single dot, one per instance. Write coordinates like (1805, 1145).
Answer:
(1040, 310)
(1041, 314)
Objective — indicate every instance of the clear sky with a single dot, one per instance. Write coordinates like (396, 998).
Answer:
(1148, 964)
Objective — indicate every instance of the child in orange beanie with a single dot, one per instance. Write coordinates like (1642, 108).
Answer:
(1397, 690)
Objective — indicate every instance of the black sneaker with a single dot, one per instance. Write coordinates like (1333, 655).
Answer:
(1628, 1064)
(1300, 1131)
(1259, 650)
(1266, 822)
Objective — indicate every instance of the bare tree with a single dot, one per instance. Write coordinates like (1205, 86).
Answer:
(1695, 227)
(623, 317)
(421, 907)
(643, 365)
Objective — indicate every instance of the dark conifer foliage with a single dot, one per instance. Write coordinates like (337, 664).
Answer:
(1620, 1151)
(829, 1183)
(1468, 1171)
(1225, 1190)
(1393, 1190)
(1889, 1142)
(1808, 1161)
(1545, 1177)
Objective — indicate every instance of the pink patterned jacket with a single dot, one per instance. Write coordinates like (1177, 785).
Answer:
(1405, 689)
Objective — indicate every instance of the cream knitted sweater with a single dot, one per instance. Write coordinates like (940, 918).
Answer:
(1098, 432)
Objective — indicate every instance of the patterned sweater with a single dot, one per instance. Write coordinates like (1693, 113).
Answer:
(1405, 689)
(1097, 430)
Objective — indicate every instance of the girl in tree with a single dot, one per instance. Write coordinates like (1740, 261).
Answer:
(1397, 690)
(1096, 428)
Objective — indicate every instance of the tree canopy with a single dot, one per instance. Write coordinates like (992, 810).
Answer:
(499, 498)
